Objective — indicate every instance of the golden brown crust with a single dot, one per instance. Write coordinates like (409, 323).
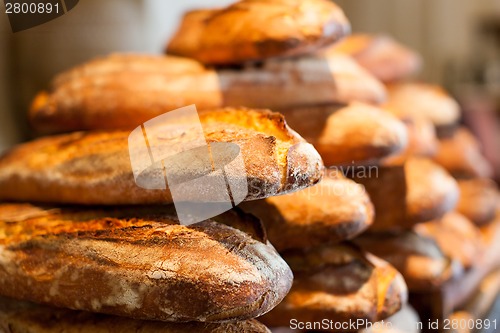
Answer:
(122, 91)
(341, 283)
(94, 167)
(381, 55)
(457, 237)
(478, 200)
(336, 209)
(355, 133)
(255, 30)
(23, 317)
(137, 262)
(460, 154)
(420, 260)
(423, 100)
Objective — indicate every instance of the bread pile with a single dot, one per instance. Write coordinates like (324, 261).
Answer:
(445, 260)
(77, 233)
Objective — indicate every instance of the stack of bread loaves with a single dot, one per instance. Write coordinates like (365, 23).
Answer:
(446, 258)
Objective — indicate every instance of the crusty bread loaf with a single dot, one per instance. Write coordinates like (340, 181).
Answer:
(406, 194)
(254, 30)
(137, 262)
(336, 209)
(340, 283)
(95, 167)
(123, 91)
(423, 100)
(422, 263)
(478, 199)
(457, 237)
(23, 317)
(381, 55)
(460, 154)
(357, 133)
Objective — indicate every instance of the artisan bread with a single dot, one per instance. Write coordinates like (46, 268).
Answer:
(341, 283)
(138, 263)
(125, 90)
(95, 167)
(457, 237)
(461, 155)
(478, 199)
(406, 194)
(381, 55)
(423, 100)
(250, 30)
(420, 260)
(24, 317)
(357, 132)
(336, 209)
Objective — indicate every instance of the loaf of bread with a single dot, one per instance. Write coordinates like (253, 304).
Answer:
(420, 260)
(340, 283)
(336, 209)
(381, 55)
(406, 194)
(479, 198)
(137, 262)
(461, 155)
(95, 167)
(342, 135)
(423, 100)
(457, 237)
(123, 91)
(250, 30)
(24, 317)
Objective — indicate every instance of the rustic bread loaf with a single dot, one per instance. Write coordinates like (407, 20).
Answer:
(478, 199)
(251, 30)
(124, 90)
(340, 283)
(357, 132)
(336, 209)
(406, 194)
(457, 237)
(381, 55)
(95, 167)
(420, 260)
(461, 155)
(137, 262)
(23, 317)
(423, 100)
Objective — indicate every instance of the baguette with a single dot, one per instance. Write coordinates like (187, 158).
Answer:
(355, 133)
(460, 154)
(95, 167)
(420, 260)
(123, 91)
(23, 317)
(137, 262)
(382, 56)
(252, 30)
(340, 283)
(457, 237)
(334, 210)
(423, 100)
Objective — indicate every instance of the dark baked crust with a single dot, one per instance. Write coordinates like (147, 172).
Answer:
(23, 317)
(137, 262)
(95, 167)
(334, 210)
(341, 283)
(255, 30)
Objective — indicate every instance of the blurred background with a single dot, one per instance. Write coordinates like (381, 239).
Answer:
(458, 39)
